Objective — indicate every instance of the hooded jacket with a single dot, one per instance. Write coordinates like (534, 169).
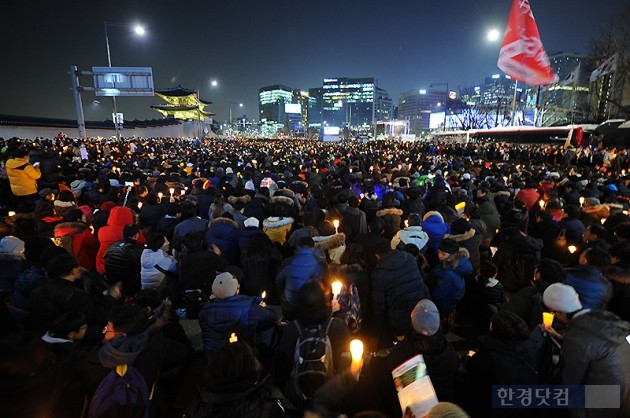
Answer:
(450, 279)
(411, 235)
(333, 246)
(433, 224)
(397, 286)
(392, 219)
(22, 176)
(304, 266)
(594, 289)
(277, 228)
(516, 258)
(80, 242)
(224, 233)
(119, 216)
(151, 276)
(596, 352)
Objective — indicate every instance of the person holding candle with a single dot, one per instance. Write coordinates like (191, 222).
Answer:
(595, 347)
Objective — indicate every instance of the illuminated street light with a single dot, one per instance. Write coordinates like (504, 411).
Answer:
(493, 35)
(139, 30)
(214, 83)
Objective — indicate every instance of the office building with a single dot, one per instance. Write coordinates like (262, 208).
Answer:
(271, 105)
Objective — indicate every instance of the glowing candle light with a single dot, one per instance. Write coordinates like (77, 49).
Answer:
(264, 295)
(172, 190)
(160, 196)
(581, 200)
(11, 213)
(406, 223)
(139, 205)
(603, 220)
(183, 192)
(541, 203)
(547, 319)
(356, 350)
(233, 338)
(336, 225)
(572, 249)
(336, 287)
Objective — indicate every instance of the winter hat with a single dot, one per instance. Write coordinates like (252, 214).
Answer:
(252, 222)
(225, 285)
(11, 245)
(34, 247)
(425, 318)
(250, 186)
(562, 298)
(87, 212)
(449, 246)
(592, 201)
(229, 170)
(460, 226)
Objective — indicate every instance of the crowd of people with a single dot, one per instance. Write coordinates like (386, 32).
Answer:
(114, 251)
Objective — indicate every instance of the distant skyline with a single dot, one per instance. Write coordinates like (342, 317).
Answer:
(246, 45)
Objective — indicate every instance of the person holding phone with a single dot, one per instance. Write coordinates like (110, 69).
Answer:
(23, 176)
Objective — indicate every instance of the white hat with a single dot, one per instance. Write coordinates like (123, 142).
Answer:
(562, 298)
(229, 170)
(251, 222)
(225, 285)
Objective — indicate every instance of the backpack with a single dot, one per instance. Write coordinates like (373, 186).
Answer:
(312, 360)
(122, 393)
(350, 306)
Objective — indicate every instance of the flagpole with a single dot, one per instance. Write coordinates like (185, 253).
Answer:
(537, 107)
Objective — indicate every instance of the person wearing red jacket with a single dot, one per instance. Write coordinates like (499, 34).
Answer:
(119, 216)
(75, 236)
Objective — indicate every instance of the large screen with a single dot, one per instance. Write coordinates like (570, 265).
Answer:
(292, 108)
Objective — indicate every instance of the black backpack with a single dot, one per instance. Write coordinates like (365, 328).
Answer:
(312, 360)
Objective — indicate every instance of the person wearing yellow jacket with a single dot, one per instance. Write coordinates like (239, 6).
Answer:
(23, 175)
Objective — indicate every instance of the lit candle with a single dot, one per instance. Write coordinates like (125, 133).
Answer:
(160, 195)
(547, 319)
(581, 200)
(336, 225)
(603, 220)
(172, 190)
(356, 349)
(11, 213)
(183, 192)
(572, 249)
(406, 223)
(233, 338)
(139, 205)
(264, 295)
(336, 287)
(541, 203)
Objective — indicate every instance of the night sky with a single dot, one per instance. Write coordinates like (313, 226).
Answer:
(245, 45)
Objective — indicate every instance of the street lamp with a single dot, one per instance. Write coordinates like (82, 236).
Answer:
(230, 121)
(139, 30)
(493, 35)
(445, 99)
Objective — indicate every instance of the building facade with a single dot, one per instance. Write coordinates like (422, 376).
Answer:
(271, 105)
(349, 103)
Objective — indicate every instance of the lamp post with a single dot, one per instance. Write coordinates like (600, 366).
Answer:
(445, 99)
(139, 30)
(230, 121)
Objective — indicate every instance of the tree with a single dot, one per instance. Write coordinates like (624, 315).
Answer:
(610, 94)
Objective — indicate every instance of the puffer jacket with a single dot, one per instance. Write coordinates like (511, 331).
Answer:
(392, 219)
(619, 275)
(224, 233)
(470, 240)
(246, 236)
(594, 289)
(397, 286)
(332, 246)
(22, 176)
(304, 266)
(411, 235)
(150, 276)
(26, 282)
(450, 284)
(490, 215)
(433, 224)
(119, 216)
(81, 242)
(596, 352)
(238, 314)
(277, 229)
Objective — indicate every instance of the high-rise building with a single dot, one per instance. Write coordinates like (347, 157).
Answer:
(416, 106)
(383, 106)
(315, 104)
(271, 105)
(568, 100)
(349, 102)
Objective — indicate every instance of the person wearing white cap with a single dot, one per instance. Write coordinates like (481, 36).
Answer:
(230, 312)
(595, 349)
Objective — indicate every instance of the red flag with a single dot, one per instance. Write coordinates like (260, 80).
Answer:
(522, 55)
